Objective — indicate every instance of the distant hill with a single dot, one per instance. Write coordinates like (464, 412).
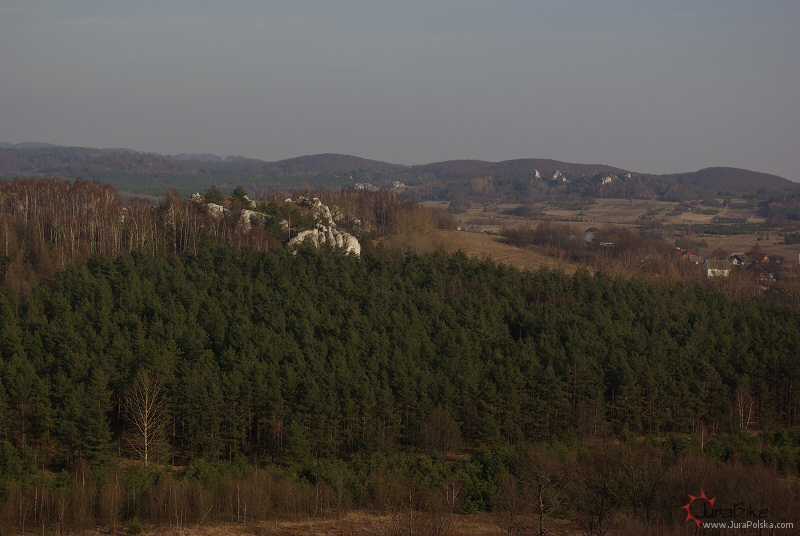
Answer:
(333, 163)
(84, 161)
(714, 178)
(464, 169)
(153, 173)
(725, 178)
(310, 166)
(204, 157)
(27, 145)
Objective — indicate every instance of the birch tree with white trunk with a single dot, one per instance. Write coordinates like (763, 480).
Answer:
(145, 416)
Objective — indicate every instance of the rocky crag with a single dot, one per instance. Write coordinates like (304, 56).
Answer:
(324, 230)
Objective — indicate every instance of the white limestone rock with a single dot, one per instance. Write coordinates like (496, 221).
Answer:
(324, 230)
(322, 234)
(322, 214)
(214, 210)
(250, 218)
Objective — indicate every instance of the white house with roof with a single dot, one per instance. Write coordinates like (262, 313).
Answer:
(715, 268)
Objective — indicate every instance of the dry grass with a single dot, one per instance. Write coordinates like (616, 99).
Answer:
(480, 221)
(613, 212)
(355, 523)
(617, 211)
(769, 242)
(493, 247)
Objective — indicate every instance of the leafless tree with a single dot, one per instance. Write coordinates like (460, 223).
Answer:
(510, 514)
(543, 478)
(145, 416)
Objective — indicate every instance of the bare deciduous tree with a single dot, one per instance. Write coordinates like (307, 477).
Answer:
(542, 476)
(510, 514)
(145, 416)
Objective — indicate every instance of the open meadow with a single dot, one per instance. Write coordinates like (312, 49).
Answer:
(481, 225)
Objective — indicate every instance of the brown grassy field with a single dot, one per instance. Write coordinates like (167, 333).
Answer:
(603, 211)
(494, 247)
(482, 223)
(622, 211)
(354, 523)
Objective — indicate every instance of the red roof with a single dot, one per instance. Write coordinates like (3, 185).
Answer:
(758, 256)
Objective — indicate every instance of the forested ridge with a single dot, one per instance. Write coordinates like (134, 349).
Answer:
(344, 371)
(271, 354)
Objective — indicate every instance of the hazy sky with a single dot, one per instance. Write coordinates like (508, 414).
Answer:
(654, 87)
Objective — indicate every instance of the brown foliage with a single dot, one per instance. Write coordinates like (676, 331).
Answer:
(409, 509)
(48, 224)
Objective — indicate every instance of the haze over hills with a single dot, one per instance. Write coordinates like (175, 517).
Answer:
(114, 165)
(731, 178)
(513, 168)
(333, 163)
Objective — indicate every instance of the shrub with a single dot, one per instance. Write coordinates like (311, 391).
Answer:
(133, 526)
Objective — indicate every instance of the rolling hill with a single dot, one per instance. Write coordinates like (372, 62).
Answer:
(464, 169)
(134, 171)
(726, 178)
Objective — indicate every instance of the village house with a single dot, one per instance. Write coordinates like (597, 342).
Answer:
(757, 256)
(715, 268)
(759, 272)
(737, 259)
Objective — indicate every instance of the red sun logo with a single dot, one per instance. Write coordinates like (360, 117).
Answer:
(692, 498)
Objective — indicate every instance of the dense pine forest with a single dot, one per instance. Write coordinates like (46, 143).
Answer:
(210, 370)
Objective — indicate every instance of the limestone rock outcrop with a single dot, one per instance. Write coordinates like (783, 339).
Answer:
(324, 230)
(214, 210)
(250, 218)
(322, 234)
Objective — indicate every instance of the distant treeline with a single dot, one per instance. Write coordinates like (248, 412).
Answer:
(723, 228)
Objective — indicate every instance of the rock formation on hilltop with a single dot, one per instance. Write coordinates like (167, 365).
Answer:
(322, 234)
(324, 230)
(245, 218)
